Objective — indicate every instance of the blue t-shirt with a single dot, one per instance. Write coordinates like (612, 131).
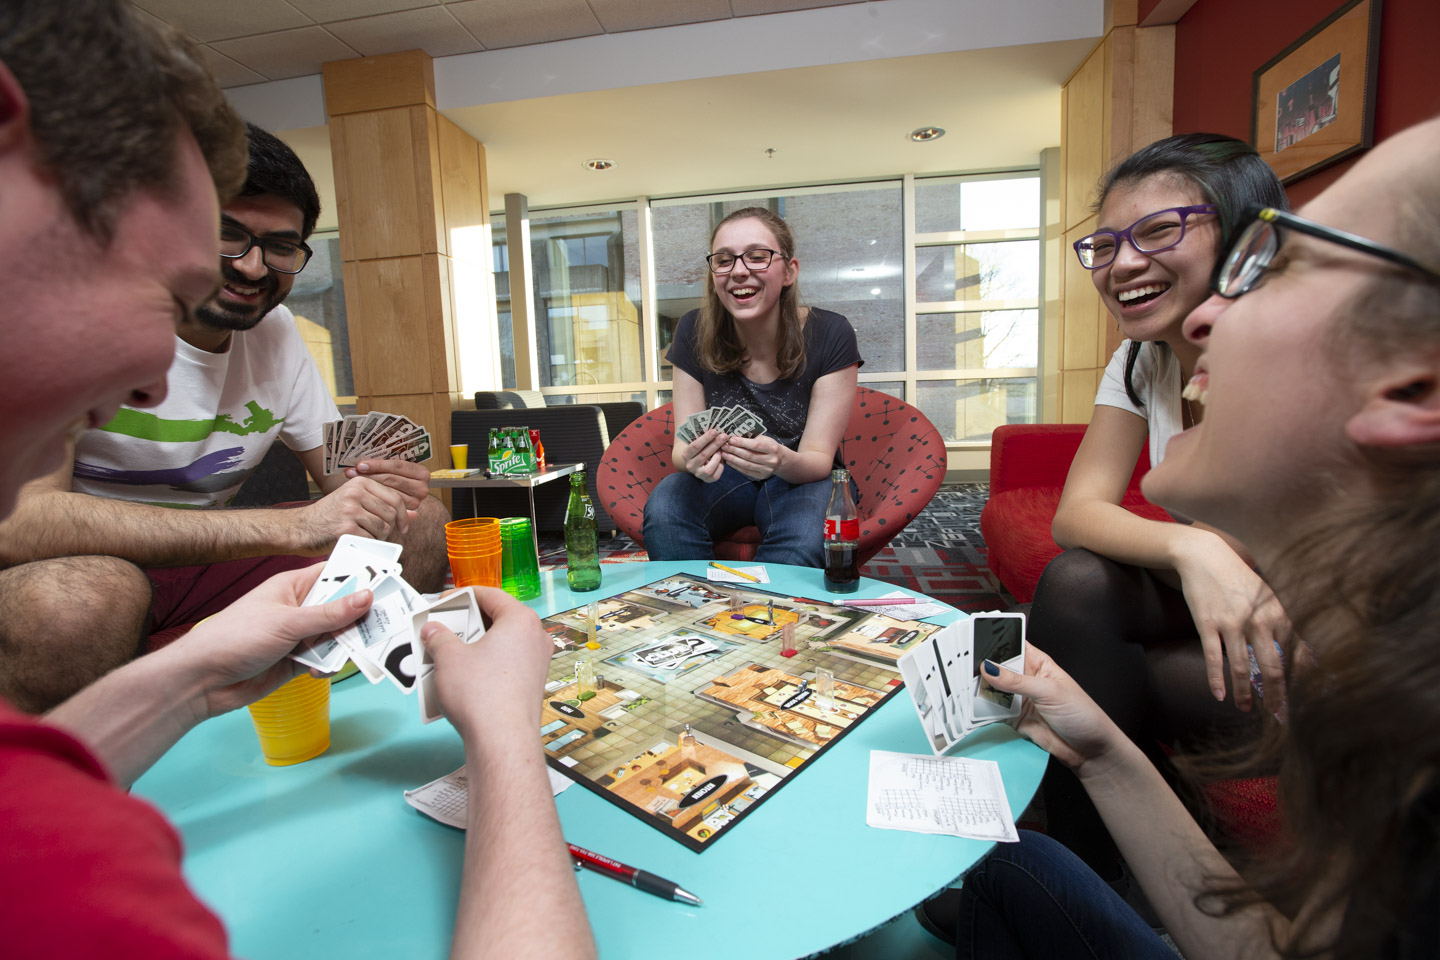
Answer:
(782, 405)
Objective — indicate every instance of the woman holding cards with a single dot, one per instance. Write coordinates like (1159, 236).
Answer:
(1320, 451)
(786, 374)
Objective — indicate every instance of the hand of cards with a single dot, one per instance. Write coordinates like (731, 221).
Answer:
(944, 676)
(386, 643)
(735, 421)
(373, 436)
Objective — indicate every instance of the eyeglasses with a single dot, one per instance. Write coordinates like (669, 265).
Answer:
(1245, 262)
(282, 256)
(756, 259)
(1158, 231)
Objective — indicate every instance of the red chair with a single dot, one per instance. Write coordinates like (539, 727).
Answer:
(1028, 466)
(893, 451)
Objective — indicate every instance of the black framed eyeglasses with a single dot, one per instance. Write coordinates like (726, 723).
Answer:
(282, 256)
(757, 259)
(1152, 233)
(1243, 265)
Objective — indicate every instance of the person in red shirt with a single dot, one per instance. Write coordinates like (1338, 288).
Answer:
(115, 150)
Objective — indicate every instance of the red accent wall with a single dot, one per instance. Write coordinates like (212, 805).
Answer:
(1220, 43)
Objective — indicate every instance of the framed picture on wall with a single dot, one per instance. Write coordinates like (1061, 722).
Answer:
(1314, 103)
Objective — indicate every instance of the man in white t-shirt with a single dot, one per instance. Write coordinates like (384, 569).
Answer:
(131, 542)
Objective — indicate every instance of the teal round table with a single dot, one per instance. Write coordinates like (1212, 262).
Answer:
(325, 858)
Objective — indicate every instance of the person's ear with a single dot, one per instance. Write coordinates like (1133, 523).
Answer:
(14, 110)
(792, 271)
(1403, 410)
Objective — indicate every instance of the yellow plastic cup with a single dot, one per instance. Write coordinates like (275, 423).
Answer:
(293, 723)
(459, 455)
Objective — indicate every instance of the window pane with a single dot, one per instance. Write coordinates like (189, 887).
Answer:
(896, 388)
(994, 339)
(943, 205)
(971, 409)
(587, 297)
(501, 265)
(559, 399)
(850, 247)
(978, 271)
(318, 302)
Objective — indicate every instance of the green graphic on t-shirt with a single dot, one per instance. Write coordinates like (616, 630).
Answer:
(147, 426)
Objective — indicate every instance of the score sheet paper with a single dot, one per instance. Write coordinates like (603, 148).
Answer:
(954, 796)
(447, 799)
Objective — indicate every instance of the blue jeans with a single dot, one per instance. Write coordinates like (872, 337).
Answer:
(1037, 899)
(684, 516)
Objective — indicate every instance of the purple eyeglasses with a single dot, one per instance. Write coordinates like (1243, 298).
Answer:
(1152, 233)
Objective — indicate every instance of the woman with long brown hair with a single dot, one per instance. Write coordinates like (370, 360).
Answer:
(1320, 451)
(792, 368)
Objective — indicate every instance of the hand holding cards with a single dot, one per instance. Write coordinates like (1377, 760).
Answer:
(947, 683)
(385, 644)
(735, 421)
(373, 436)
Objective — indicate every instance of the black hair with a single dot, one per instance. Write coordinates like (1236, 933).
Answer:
(1227, 172)
(276, 171)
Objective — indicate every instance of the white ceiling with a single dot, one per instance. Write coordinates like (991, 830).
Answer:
(688, 104)
(251, 41)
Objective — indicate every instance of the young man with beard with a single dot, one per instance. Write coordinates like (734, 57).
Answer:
(105, 559)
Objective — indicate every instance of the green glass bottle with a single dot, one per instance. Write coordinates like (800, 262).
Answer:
(582, 546)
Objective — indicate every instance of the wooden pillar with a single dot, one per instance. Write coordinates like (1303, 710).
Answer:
(411, 196)
(1117, 101)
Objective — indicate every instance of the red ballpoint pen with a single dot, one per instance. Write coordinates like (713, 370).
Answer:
(635, 877)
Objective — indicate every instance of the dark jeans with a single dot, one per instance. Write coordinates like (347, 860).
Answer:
(684, 516)
(1037, 899)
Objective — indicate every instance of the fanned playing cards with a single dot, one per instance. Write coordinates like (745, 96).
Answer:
(735, 421)
(373, 436)
(385, 643)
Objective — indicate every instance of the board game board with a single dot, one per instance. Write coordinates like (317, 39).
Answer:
(688, 711)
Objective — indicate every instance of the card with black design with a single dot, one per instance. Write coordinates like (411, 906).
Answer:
(947, 682)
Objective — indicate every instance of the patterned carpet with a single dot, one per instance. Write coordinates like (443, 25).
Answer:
(939, 553)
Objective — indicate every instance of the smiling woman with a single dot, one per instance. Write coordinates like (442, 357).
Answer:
(786, 376)
(1153, 618)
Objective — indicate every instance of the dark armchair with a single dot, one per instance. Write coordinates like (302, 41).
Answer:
(570, 433)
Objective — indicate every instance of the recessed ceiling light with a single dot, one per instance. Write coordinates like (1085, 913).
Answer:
(875, 291)
(926, 134)
(599, 165)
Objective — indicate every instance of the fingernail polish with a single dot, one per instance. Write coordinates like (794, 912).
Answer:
(992, 668)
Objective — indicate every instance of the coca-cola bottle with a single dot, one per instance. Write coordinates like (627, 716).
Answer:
(842, 535)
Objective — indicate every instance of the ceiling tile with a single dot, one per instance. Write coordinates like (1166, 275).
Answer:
(515, 23)
(620, 15)
(220, 19)
(286, 53)
(327, 11)
(749, 8)
(227, 72)
(430, 29)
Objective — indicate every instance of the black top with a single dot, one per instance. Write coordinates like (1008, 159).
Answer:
(782, 405)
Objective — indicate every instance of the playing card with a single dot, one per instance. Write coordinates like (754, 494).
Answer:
(355, 564)
(427, 694)
(327, 432)
(745, 424)
(384, 636)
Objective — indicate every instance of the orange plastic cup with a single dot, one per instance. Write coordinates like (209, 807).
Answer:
(293, 723)
(476, 570)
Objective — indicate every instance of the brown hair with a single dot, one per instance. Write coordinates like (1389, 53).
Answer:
(717, 342)
(108, 97)
(1359, 759)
